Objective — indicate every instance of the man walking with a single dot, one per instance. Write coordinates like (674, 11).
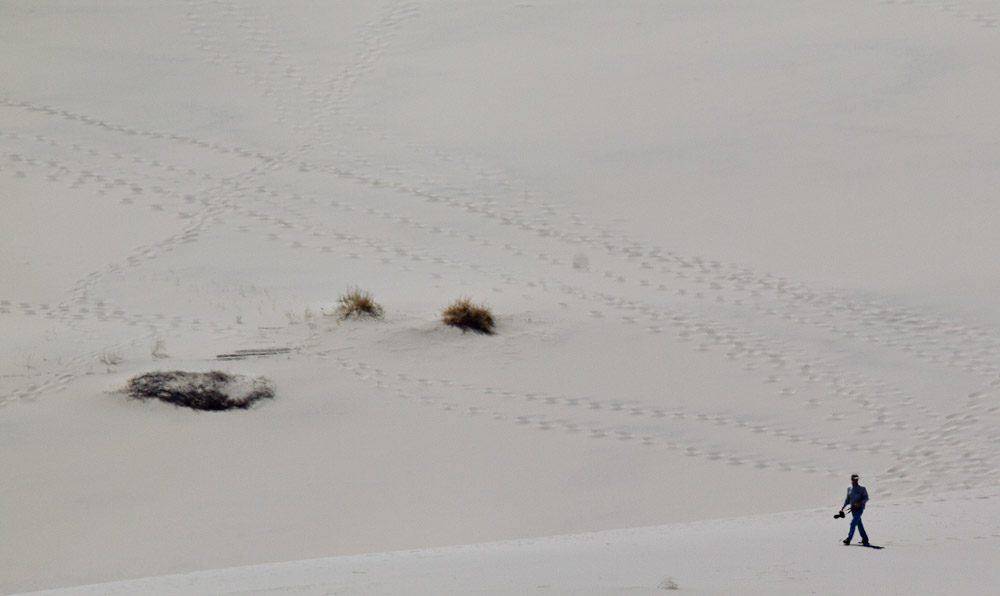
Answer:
(857, 496)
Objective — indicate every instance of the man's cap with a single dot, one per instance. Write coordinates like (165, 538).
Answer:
(854, 476)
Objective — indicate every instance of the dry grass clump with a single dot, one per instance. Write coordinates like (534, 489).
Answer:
(213, 391)
(467, 316)
(358, 303)
(668, 583)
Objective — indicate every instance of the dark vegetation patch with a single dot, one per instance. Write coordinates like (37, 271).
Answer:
(212, 391)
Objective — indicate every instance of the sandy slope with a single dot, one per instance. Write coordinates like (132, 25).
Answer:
(938, 546)
(736, 252)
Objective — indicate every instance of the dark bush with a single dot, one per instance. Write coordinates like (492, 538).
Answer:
(469, 317)
(213, 391)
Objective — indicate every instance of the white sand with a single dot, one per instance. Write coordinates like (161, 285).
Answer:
(736, 250)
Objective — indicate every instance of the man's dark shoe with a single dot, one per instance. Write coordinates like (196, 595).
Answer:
(847, 540)
(864, 542)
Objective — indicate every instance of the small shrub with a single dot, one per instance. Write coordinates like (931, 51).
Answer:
(159, 350)
(213, 391)
(468, 317)
(358, 303)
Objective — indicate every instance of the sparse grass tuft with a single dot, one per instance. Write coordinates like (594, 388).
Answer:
(159, 350)
(213, 391)
(359, 304)
(467, 316)
(110, 360)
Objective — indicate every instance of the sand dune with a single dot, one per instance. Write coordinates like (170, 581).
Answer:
(736, 253)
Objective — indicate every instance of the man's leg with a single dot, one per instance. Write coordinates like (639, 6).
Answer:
(856, 521)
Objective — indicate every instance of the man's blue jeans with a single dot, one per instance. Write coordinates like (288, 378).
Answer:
(856, 523)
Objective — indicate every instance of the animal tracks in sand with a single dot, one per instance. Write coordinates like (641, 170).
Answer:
(980, 12)
(656, 423)
(324, 192)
